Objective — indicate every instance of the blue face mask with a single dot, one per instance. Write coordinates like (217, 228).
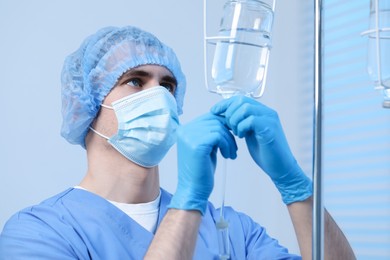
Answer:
(147, 123)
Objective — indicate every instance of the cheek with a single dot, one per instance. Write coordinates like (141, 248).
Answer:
(106, 122)
(112, 123)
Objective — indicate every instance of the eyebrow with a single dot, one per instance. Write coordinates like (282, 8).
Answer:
(170, 79)
(134, 73)
(145, 74)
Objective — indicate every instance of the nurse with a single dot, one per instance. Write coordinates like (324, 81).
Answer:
(122, 93)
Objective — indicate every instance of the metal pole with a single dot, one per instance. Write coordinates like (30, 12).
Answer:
(318, 209)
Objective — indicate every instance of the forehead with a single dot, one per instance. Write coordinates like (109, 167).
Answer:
(155, 70)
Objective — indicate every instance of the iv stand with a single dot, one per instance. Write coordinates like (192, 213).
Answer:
(318, 209)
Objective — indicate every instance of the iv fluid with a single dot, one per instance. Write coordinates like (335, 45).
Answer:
(384, 18)
(240, 63)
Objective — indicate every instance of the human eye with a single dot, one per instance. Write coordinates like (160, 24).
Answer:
(169, 86)
(134, 82)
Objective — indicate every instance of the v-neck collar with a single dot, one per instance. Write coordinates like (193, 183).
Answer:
(138, 236)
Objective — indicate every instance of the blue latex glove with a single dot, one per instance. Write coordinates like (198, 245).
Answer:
(197, 146)
(267, 144)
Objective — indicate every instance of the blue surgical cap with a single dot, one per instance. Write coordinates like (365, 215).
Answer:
(92, 71)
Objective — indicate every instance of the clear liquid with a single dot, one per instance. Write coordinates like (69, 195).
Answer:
(384, 18)
(240, 64)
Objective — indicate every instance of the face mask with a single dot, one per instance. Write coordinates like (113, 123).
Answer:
(147, 123)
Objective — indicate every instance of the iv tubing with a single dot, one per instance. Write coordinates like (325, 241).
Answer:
(224, 170)
(221, 225)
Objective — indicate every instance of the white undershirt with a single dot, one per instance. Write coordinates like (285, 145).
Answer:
(145, 214)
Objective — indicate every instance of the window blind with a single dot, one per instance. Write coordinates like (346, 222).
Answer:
(356, 133)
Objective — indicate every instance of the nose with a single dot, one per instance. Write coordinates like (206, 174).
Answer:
(153, 82)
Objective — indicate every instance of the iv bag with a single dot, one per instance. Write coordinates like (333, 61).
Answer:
(241, 49)
(378, 65)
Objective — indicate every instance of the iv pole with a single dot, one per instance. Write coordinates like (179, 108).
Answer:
(318, 209)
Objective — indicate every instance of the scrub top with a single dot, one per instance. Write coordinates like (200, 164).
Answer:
(77, 224)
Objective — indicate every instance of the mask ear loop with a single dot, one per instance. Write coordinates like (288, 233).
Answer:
(105, 106)
(99, 134)
(96, 132)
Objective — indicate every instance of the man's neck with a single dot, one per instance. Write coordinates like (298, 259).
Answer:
(115, 178)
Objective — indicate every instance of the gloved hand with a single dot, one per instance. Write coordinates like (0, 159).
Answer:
(267, 144)
(197, 146)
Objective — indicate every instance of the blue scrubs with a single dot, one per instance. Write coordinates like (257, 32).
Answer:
(77, 224)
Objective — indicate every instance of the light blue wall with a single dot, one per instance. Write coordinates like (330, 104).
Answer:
(35, 162)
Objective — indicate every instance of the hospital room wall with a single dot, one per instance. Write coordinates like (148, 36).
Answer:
(36, 162)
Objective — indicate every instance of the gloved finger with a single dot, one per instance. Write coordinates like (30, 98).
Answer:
(209, 117)
(238, 108)
(217, 134)
(235, 114)
(200, 124)
(260, 118)
(257, 125)
(221, 142)
(227, 145)
(206, 134)
(222, 106)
